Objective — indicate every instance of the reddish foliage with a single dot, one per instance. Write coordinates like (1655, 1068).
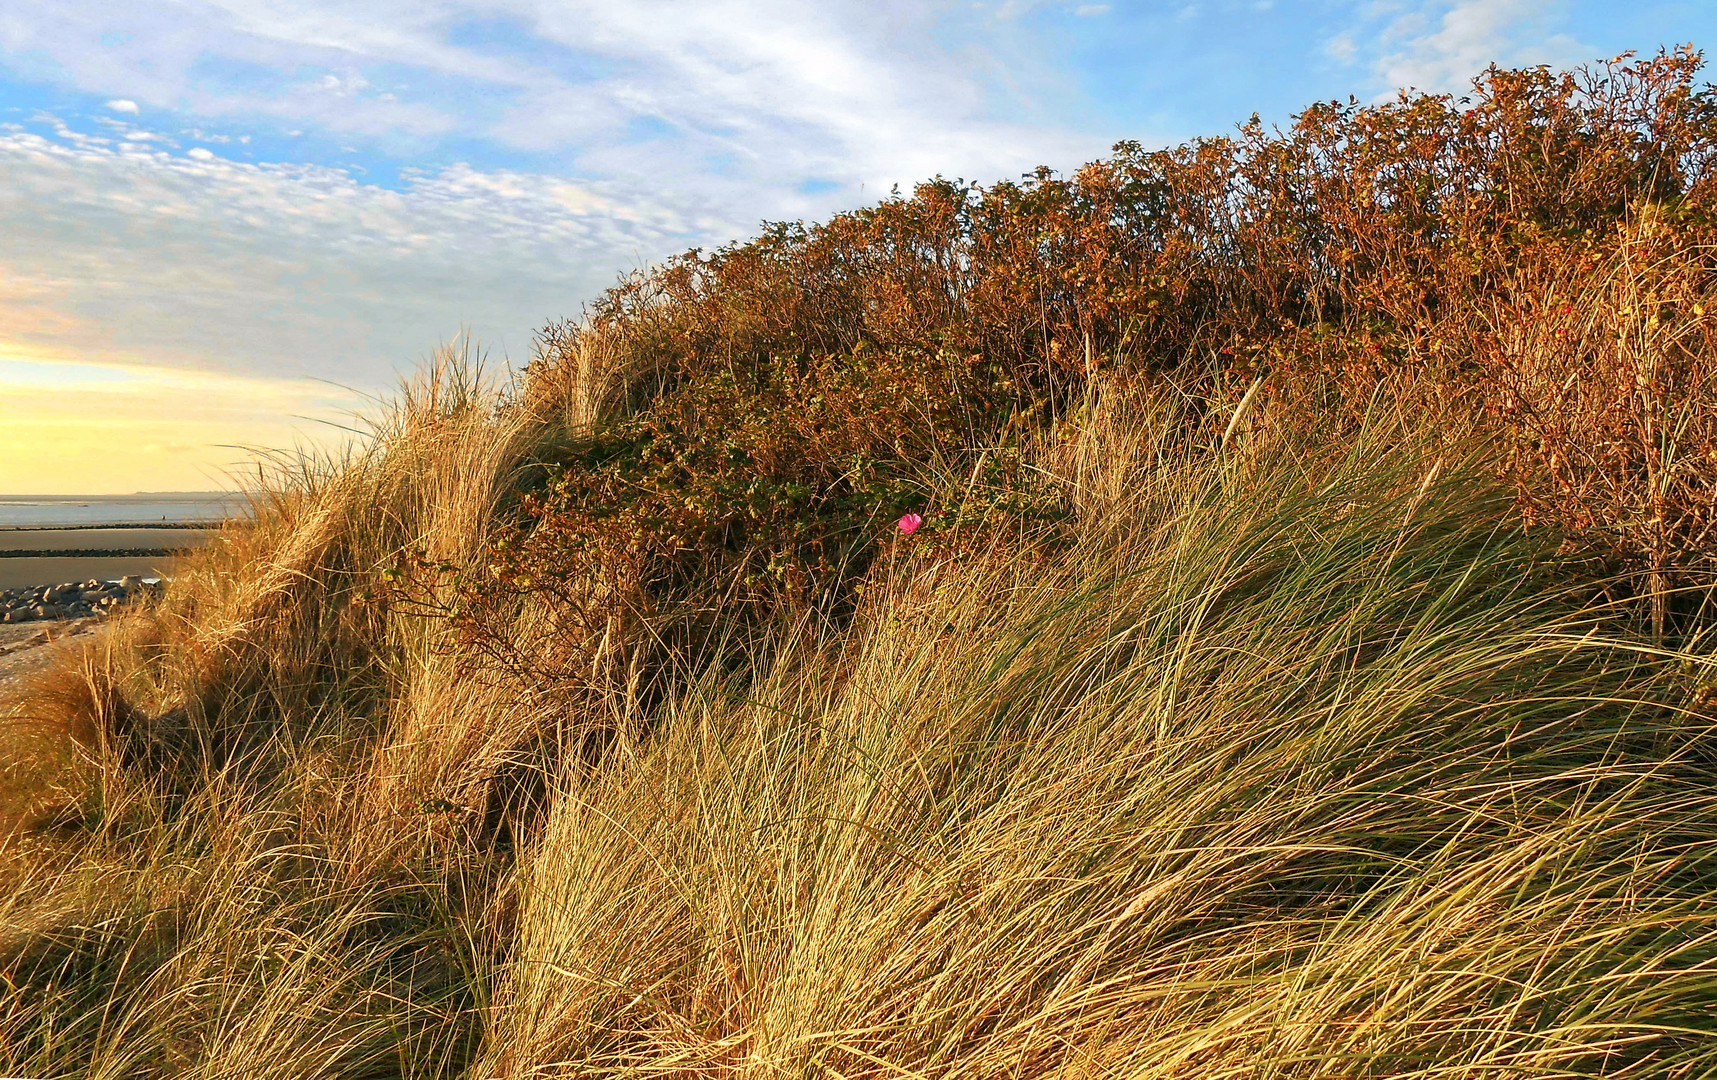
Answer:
(782, 392)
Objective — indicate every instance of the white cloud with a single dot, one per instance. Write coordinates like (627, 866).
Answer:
(121, 105)
(1442, 47)
(1086, 11)
(778, 90)
(1009, 10)
(128, 254)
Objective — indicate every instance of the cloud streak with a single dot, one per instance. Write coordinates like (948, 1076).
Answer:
(859, 90)
(1441, 47)
(125, 251)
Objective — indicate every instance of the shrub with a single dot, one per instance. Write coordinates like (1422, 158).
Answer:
(773, 397)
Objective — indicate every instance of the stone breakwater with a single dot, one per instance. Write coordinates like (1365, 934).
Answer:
(72, 600)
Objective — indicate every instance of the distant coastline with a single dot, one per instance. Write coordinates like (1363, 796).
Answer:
(150, 509)
(201, 524)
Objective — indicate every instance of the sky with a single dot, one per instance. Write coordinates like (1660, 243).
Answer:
(233, 225)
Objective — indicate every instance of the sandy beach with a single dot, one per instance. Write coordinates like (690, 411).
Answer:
(52, 571)
(101, 539)
(34, 557)
(26, 649)
(101, 553)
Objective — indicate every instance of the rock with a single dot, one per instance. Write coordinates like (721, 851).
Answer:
(75, 600)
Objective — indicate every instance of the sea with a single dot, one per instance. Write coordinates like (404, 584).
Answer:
(143, 508)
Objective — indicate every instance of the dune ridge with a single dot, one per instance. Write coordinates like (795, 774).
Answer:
(1243, 610)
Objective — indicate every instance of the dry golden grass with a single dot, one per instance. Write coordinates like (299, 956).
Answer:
(1289, 761)
(1246, 713)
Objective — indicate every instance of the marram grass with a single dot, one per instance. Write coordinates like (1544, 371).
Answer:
(1316, 777)
(1282, 763)
(1184, 733)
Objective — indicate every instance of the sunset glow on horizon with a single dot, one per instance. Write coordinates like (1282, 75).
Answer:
(90, 429)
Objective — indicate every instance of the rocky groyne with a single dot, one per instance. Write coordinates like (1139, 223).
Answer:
(73, 599)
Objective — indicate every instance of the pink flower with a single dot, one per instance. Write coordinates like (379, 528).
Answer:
(909, 524)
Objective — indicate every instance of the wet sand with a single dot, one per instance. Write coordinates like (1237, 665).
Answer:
(103, 554)
(104, 540)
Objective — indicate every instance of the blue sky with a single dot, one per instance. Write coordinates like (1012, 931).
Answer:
(217, 213)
